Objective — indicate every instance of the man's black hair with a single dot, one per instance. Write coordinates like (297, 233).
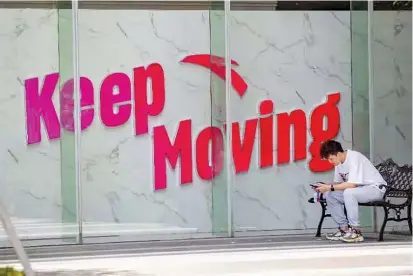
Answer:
(330, 147)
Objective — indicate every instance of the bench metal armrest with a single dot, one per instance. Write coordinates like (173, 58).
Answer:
(392, 193)
(392, 189)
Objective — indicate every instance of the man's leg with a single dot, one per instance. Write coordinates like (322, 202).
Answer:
(352, 197)
(335, 203)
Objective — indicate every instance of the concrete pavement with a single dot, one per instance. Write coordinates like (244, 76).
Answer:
(386, 260)
(174, 246)
(391, 258)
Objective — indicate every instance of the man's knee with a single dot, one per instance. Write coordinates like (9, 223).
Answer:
(331, 197)
(349, 193)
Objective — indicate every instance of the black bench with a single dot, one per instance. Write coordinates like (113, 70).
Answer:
(399, 180)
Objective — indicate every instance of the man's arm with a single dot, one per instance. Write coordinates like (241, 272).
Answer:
(343, 186)
(330, 183)
(323, 188)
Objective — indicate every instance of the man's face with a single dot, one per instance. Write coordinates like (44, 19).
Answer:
(334, 159)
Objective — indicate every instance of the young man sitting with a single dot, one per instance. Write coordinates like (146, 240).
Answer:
(356, 181)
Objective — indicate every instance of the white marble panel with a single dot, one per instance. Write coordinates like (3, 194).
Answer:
(392, 87)
(29, 176)
(295, 59)
(118, 170)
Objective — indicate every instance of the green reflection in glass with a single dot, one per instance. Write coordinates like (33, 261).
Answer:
(67, 140)
(360, 93)
(219, 214)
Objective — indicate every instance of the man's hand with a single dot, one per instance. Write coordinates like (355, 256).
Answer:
(323, 188)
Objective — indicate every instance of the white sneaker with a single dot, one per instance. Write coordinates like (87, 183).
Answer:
(352, 235)
(336, 236)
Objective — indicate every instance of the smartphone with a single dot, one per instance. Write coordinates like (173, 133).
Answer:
(315, 185)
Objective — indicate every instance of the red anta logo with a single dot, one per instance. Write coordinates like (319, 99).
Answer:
(323, 123)
(217, 65)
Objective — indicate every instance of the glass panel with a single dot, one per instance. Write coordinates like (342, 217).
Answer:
(218, 118)
(37, 154)
(146, 172)
(298, 94)
(68, 143)
(392, 76)
(360, 89)
(392, 86)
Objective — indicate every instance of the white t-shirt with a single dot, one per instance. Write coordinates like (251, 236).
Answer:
(357, 169)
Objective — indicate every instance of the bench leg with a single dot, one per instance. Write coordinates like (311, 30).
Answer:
(323, 215)
(383, 226)
(409, 217)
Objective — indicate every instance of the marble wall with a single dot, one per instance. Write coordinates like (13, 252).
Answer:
(295, 67)
(392, 91)
(29, 176)
(296, 70)
(118, 172)
(392, 85)
(118, 182)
